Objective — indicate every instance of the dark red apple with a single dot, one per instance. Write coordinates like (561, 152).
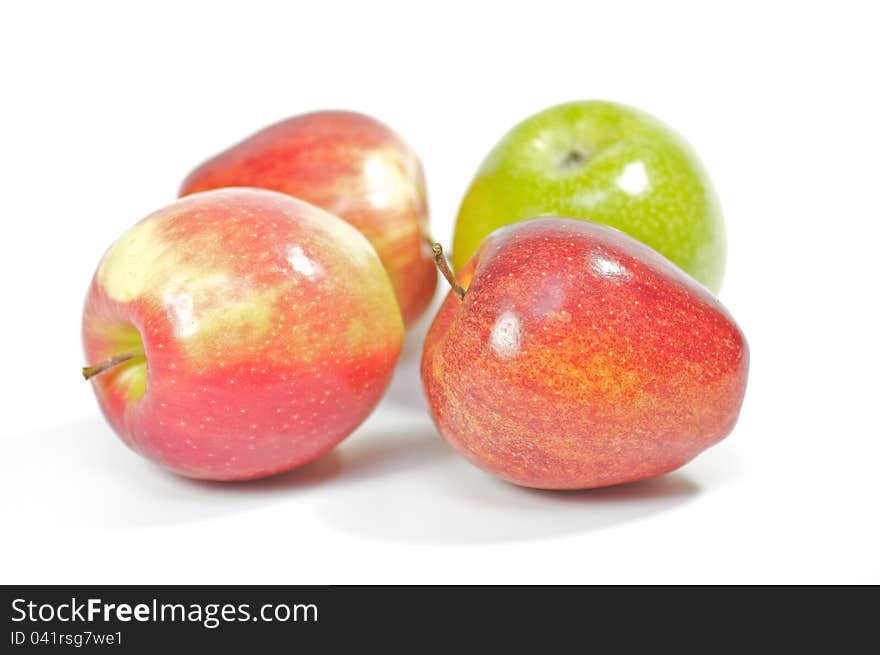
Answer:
(578, 357)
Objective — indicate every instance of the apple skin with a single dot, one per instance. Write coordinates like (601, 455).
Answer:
(354, 167)
(628, 170)
(269, 330)
(580, 358)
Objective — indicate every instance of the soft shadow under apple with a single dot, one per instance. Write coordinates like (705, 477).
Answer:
(81, 475)
(393, 479)
(446, 500)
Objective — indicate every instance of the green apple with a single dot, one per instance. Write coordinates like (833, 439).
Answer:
(606, 163)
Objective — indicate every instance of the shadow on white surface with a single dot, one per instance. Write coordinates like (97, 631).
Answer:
(394, 480)
(81, 475)
(449, 501)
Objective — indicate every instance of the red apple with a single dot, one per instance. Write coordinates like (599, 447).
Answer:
(578, 357)
(239, 333)
(354, 167)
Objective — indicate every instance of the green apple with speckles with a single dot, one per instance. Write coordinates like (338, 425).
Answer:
(604, 162)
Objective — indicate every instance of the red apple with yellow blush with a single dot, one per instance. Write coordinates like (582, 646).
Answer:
(354, 167)
(239, 333)
(571, 356)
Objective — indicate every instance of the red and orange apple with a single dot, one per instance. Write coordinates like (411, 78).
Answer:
(239, 333)
(354, 167)
(571, 356)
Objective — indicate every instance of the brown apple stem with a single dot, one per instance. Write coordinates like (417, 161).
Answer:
(107, 364)
(443, 265)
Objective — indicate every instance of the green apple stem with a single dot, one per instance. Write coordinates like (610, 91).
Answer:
(443, 265)
(91, 371)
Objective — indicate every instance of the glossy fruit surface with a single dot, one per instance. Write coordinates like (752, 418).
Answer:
(607, 163)
(581, 358)
(354, 167)
(259, 331)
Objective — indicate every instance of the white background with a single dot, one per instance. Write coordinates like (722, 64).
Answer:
(107, 106)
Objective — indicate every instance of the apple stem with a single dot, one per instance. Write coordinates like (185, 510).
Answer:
(91, 371)
(443, 265)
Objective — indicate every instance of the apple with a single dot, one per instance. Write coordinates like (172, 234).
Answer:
(353, 166)
(570, 356)
(607, 163)
(239, 333)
